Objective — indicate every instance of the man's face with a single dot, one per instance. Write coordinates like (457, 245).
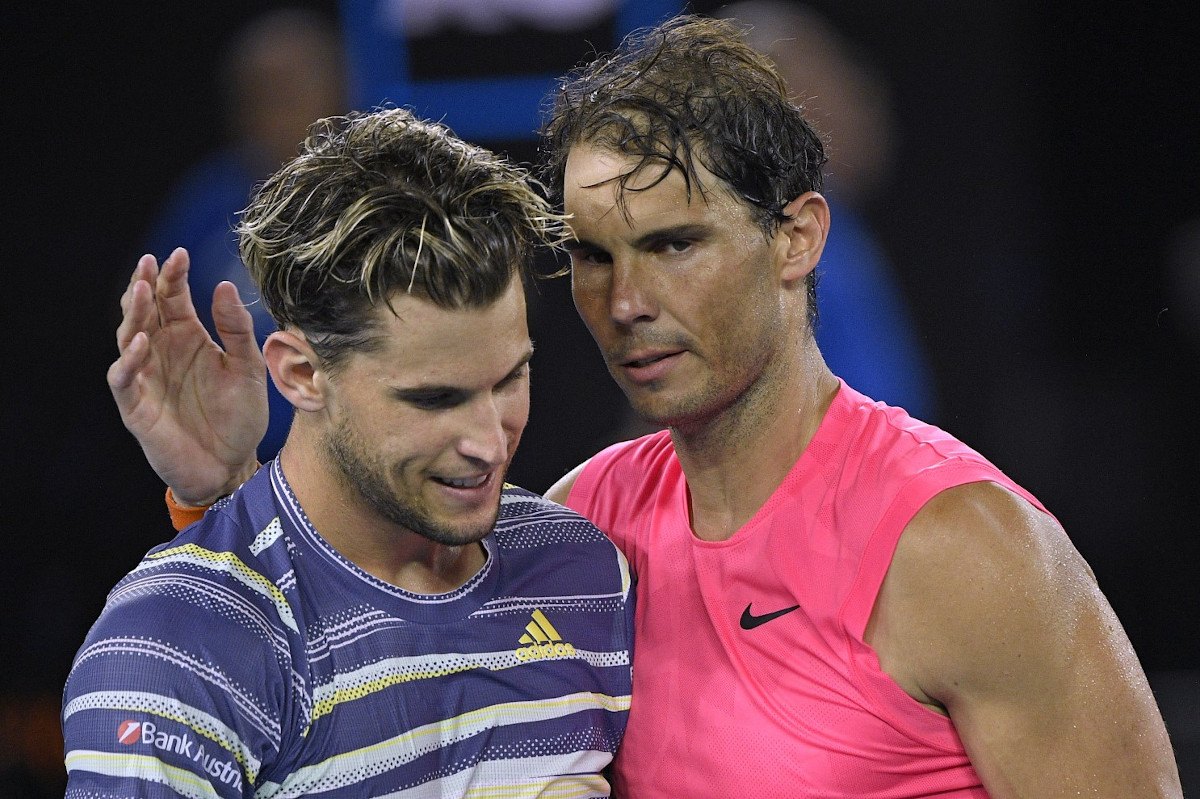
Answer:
(423, 430)
(681, 296)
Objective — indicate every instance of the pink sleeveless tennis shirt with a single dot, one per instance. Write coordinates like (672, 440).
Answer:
(751, 677)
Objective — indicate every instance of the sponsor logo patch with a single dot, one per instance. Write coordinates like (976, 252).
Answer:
(130, 732)
(216, 764)
(542, 641)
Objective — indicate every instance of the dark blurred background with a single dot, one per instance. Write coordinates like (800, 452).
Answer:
(1041, 214)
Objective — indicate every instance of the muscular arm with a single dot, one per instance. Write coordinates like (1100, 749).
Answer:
(989, 612)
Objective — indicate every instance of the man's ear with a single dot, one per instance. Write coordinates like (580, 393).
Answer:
(801, 238)
(296, 370)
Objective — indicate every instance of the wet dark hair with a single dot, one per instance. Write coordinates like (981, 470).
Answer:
(691, 91)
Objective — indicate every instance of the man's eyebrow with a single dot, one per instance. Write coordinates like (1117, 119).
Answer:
(426, 389)
(691, 230)
(524, 359)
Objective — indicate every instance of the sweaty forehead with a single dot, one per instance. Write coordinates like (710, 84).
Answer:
(590, 167)
(601, 183)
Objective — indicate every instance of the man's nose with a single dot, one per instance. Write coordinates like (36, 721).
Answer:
(631, 296)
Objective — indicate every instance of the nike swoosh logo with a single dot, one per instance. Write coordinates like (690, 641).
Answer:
(750, 621)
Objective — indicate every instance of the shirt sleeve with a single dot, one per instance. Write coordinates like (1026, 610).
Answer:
(178, 689)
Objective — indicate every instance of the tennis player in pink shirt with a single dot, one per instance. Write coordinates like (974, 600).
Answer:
(834, 599)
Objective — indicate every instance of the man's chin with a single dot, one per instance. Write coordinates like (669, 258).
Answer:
(459, 531)
(651, 406)
(458, 536)
(659, 414)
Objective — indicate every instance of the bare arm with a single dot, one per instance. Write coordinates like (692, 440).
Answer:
(197, 410)
(562, 489)
(991, 613)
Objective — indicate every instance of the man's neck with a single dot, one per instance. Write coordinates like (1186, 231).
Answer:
(376, 545)
(735, 461)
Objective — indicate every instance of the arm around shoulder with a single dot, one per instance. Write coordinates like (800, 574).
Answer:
(990, 612)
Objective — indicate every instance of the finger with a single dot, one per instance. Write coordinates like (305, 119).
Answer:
(124, 370)
(138, 314)
(128, 382)
(147, 270)
(172, 294)
(235, 325)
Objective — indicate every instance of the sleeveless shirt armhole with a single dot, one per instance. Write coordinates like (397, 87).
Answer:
(903, 711)
(881, 546)
(609, 478)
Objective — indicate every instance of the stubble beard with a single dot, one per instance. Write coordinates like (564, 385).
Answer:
(714, 405)
(368, 478)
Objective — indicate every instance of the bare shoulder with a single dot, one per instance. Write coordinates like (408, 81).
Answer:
(989, 612)
(980, 564)
(959, 566)
(562, 489)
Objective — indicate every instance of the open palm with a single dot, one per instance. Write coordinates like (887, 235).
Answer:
(197, 410)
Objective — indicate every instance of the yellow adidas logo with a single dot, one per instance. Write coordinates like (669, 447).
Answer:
(541, 640)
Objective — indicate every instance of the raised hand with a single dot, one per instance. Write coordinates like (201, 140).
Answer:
(197, 410)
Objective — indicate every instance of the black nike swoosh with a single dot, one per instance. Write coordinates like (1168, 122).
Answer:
(750, 621)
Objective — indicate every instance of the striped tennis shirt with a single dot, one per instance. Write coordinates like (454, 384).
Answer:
(247, 657)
